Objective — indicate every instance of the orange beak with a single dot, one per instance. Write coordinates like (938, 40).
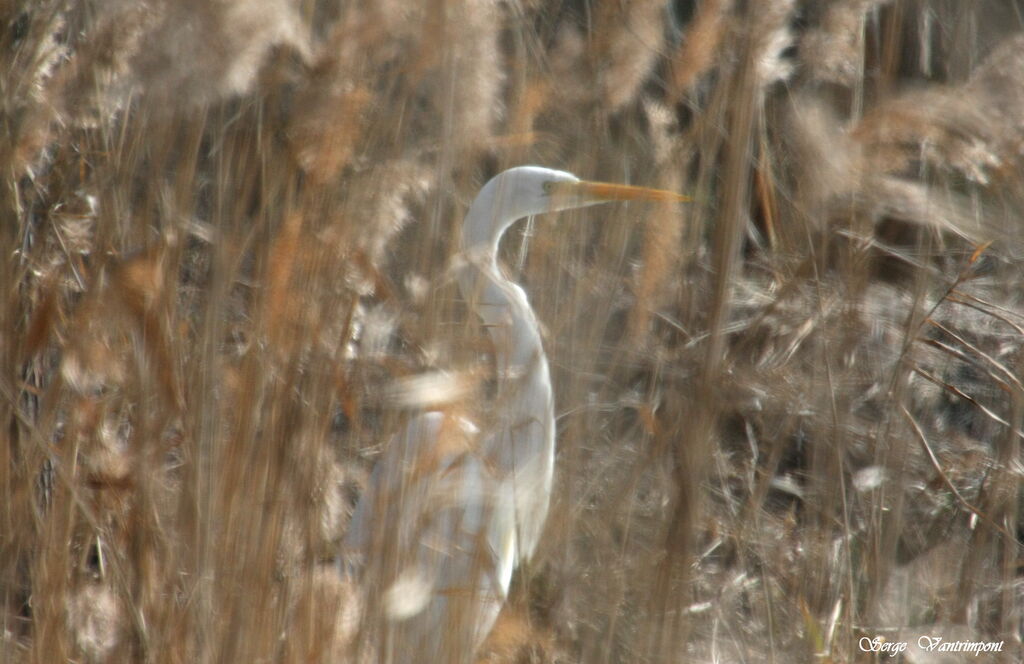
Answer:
(605, 191)
(578, 194)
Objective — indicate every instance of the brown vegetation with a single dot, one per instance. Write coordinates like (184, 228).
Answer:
(790, 414)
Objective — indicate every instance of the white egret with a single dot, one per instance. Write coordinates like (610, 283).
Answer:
(450, 511)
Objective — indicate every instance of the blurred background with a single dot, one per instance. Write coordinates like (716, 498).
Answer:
(789, 413)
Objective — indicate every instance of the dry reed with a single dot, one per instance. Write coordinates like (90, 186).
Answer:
(789, 415)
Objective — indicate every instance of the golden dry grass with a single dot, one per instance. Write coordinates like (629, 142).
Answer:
(789, 414)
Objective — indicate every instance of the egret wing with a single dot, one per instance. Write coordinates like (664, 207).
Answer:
(432, 543)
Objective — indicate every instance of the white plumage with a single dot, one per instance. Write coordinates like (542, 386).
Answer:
(450, 511)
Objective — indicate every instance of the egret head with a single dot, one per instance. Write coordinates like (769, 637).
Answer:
(528, 190)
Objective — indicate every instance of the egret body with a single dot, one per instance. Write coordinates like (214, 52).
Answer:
(450, 511)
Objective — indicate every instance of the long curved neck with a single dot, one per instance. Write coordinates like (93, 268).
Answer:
(505, 312)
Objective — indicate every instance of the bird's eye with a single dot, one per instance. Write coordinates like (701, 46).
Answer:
(549, 187)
